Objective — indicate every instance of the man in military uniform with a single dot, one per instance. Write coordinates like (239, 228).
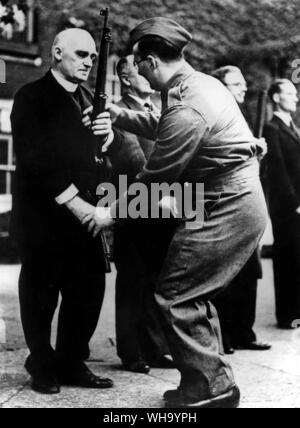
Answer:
(54, 189)
(237, 305)
(201, 137)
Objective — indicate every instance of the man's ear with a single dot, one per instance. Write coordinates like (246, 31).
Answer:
(276, 98)
(58, 53)
(125, 80)
(153, 62)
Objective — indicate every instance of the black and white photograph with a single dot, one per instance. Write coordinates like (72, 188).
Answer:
(149, 207)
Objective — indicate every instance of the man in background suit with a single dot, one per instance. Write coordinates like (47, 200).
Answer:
(283, 187)
(138, 246)
(237, 305)
(54, 190)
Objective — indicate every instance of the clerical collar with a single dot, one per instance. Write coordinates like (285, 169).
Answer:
(68, 86)
(286, 119)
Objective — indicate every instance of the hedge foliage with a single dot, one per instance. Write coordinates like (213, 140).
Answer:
(260, 36)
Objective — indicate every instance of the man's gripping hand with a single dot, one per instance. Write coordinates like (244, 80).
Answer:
(262, 147)
(97, 221)
(101, 127)
(80, 209)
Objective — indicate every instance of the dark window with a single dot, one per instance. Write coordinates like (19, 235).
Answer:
(6, 164)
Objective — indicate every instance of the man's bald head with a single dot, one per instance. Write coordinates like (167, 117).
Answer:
(73, 54)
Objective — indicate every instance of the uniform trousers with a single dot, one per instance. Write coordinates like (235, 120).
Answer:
(201, 262)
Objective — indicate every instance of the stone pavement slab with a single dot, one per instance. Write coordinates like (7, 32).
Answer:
(130, 391)
(266, 379)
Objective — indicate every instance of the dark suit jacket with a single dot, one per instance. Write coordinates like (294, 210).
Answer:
(282, 169)
(131, 155)
(53, 150)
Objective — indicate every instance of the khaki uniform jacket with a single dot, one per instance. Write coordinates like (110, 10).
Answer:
(201, 132)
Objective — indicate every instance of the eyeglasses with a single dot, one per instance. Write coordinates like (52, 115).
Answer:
(137, 63)
(237, 85)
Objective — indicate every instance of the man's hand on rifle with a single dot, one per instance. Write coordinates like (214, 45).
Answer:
(99, 220)
(169, 205)
(114, 111)
(102, 126)
(80, 208)
(262, 147)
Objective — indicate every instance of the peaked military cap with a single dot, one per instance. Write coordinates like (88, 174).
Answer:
(162, 27)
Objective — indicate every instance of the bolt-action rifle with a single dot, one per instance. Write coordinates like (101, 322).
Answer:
(99, 106)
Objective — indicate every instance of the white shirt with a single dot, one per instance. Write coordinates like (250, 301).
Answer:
(286, 118)
(68, 86)
(140, 101)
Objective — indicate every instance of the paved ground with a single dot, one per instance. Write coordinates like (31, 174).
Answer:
(268, 380)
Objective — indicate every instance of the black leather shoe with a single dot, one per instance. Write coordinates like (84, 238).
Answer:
(137, 367)
(287, 326)
(229, 350)
(45, 384)
(254, 346)
(267, 252)
(85, 379)
(164, 362)
(172, 395)
(228, 400)
(44, 378)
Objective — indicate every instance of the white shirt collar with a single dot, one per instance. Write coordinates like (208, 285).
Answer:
(287, 119)
(68, 86)
(139, 100)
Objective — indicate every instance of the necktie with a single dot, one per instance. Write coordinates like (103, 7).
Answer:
(294, 129)
(148, 107)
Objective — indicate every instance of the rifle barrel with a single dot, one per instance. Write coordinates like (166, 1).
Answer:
(261, 113)
(99, 104)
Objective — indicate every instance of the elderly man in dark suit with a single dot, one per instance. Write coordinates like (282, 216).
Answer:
(283, 188)
(237, 305)
(54, 189)
(138, 246)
